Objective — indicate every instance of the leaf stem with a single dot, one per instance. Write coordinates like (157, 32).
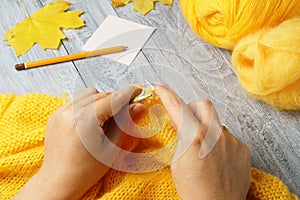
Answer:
(24, 8)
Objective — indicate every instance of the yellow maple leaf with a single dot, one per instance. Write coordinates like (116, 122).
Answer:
(43, 27)
(142, 6)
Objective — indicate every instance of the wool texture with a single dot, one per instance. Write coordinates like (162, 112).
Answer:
(23, 122)
(264, 37)
(268, 64)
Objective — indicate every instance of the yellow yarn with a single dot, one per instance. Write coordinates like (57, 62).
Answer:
(268, 64)
(224, 23)
(22, 126)
(265, 57)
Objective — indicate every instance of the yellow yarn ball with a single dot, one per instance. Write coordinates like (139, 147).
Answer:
(224, 22)
(267, 64)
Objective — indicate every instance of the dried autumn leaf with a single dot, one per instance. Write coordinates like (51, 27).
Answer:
(43, 27)
(142, 6)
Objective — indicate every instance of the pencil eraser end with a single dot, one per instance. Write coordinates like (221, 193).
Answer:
(20, 66)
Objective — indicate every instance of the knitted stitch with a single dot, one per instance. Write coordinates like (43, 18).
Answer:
(23, 122)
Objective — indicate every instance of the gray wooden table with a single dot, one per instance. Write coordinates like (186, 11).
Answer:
(175, 55)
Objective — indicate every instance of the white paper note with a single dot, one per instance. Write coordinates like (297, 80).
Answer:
(115, 31)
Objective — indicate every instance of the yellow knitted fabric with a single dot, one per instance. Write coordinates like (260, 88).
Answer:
(22, 127)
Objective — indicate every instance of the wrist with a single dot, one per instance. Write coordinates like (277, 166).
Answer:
(45, 186)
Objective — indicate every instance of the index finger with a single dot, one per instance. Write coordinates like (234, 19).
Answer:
(111, 104)
(186, 123)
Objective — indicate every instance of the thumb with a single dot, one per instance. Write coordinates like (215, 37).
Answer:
(178, 111)
(186, 124)
(171, 102)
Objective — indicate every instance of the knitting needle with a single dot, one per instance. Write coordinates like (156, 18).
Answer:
(144, 94)
(150, 84)
(141, 97)
(70, 57)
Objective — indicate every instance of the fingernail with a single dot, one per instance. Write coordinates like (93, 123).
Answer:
(104, 89)
(99, 90)
(137, 108)
(161, 84)
(172, 124)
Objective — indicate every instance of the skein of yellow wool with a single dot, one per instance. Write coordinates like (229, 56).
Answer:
(224, 23)
(265, 39)
(267, 64)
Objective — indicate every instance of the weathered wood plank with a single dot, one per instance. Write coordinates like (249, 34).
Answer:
(175, 55)
(55, 79)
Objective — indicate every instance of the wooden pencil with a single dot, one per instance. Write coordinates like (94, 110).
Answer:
(70, 57)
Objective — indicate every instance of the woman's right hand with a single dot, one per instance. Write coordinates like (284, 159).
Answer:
(222, 169)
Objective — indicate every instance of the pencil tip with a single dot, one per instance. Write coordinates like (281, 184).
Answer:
(125, 47)
(20, 66)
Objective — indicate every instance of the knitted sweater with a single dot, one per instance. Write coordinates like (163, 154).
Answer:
(22, 127)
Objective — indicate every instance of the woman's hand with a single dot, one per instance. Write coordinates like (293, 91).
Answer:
(75, 132)
(221, 169)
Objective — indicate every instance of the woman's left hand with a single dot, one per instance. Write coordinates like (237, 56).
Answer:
(73, 133)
